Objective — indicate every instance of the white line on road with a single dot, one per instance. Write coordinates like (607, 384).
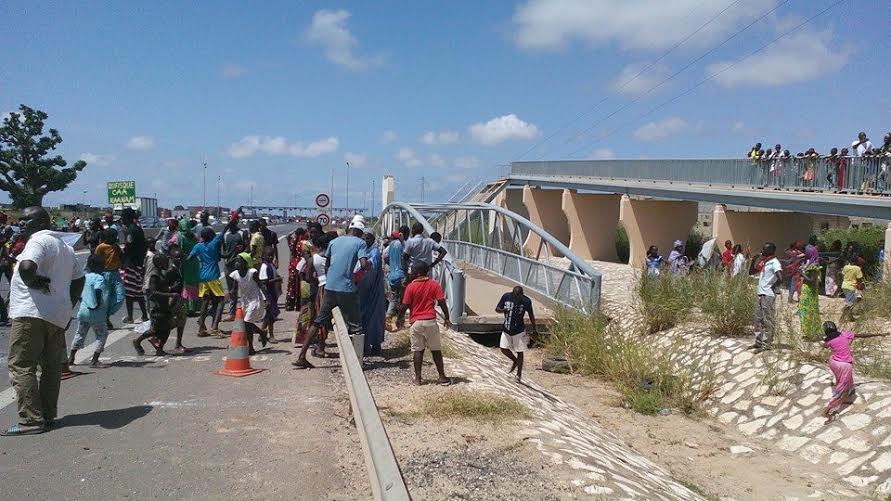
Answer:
(7, 396)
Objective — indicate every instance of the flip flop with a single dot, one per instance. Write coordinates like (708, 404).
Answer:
(447, 382)
(303, 364)
(17, 429)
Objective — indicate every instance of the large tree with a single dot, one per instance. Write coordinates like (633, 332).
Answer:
(27, 172)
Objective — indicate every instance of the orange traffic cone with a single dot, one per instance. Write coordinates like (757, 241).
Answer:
(238, 361)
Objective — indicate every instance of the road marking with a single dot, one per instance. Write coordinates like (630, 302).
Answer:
(7, 396)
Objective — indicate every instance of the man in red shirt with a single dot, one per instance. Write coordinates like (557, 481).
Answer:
(421, 297)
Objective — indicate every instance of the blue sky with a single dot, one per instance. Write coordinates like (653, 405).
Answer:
(276, 95)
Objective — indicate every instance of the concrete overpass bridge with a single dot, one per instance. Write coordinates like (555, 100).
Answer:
(581, 202)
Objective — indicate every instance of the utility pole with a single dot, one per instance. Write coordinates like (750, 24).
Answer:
(348, 187)
(204, 199)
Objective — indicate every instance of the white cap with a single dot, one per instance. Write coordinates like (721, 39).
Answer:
(357, 225)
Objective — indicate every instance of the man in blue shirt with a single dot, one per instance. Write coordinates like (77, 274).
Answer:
(340, 290)
(396, 277)
(210, 287)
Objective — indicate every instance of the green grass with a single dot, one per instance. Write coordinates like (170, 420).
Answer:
(727, 303)
(644, 374)
(470, 405)
(663, 301)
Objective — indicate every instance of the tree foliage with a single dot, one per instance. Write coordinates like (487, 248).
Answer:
(27, 171)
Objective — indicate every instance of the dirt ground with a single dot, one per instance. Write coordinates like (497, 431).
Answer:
(457, 458)
(695, 450)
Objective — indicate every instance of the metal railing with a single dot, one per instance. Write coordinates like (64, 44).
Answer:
(494, 239)
(446, 273)
(855, 175)
(384, 475)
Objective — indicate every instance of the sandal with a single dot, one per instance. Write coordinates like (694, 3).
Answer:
(444, 382)
(180, 350)
(303, 364)
(138, 348)
(203, 334)
(17, 429)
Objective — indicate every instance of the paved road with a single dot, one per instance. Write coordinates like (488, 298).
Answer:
(167, 427)
(282, 230)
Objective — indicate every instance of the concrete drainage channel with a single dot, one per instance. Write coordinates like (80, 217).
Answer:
(384, 474)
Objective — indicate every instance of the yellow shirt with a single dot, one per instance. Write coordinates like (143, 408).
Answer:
(851, 273)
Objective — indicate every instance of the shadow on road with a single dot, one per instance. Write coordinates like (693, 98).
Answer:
(110, 419)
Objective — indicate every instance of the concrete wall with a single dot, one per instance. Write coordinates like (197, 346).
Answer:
(752, 229)
(655, 222)
(592, 220)
(545, 210)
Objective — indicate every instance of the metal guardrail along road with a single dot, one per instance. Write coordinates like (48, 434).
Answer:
(387, 483)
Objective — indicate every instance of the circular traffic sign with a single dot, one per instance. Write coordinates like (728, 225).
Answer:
(323, 219)
(323, 200)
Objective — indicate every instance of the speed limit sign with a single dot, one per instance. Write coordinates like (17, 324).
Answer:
(323, 219)
(322, 200)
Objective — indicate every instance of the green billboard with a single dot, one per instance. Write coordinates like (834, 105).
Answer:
(122, 192)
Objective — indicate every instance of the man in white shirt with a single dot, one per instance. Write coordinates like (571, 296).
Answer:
(861, 145)
(771, 274)
(46, 284)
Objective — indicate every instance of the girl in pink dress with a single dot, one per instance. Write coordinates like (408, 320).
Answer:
(842, 365)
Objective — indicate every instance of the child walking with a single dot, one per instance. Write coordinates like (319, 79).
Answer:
(421, 297)
(112, 256)
(842, 365)
(97, 302)
(160, 309)
(270, 282)
(248, 290)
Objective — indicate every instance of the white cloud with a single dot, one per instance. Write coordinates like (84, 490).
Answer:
(95, 159)
(356, 159)
(436, 160)
(639, 24)
(408, 157)
(232, 70)
(141, 143)
(655, 131)
(799, 57)
(329, 31)
(250, 145)
(470, 162)
(501, 129)
(441, 137)
(602, 154)
(388, 137)
(629, 84)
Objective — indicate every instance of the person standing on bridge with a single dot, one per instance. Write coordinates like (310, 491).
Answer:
(203, 222)
(372, 298)
(258, 243)
(46, 284)
(514, 306)
(112, 256)
(233, 245)
(298, 248)
(133, 271)
(270, 241)
(191, 268)
(395, 279)
(340, 290)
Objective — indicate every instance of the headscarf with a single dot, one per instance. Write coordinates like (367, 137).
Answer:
(813, 254)
(186, 239)
(247, 259)
(676, 251)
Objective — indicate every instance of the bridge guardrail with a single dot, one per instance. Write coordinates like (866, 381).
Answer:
(858, 175)
(384, 474)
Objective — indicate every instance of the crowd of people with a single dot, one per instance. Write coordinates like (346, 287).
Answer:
(804, 272)
(178, 275)
(862, 168)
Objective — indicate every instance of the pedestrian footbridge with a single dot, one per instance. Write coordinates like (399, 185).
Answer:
(503, 245)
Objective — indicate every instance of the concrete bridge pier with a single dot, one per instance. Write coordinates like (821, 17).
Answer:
(545, 210)
(752, 229)
(592, 219)
(655, 222)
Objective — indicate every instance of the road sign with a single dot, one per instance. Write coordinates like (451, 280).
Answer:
(323, 200)
(323, 219)
(121, 192)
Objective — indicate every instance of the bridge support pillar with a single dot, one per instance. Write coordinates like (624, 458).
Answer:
(545, 210)
(655, 222)
(752, 229)
(592, 220)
